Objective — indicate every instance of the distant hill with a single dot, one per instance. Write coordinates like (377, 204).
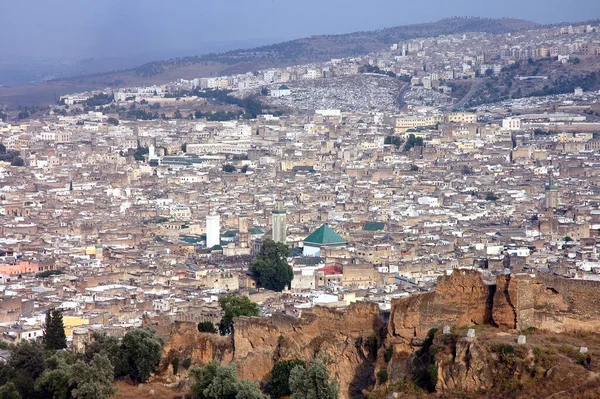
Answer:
(325, 47)
(300, 51)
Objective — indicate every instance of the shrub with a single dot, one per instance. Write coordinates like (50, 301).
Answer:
(175, 364)
(371, 344)
(382, 376)
(207, 327)
(186, 363)
(389, 353)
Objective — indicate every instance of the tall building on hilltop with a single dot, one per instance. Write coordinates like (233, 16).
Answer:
(279, 220)
(213, 229)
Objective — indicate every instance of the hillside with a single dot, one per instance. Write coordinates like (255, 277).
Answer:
(325, 47)
(423, 347)
(300, 51)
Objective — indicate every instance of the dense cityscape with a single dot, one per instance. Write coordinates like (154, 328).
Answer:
(307, 189)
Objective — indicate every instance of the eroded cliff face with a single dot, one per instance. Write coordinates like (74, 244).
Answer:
(460, 299)
(347, 336)
(186, 342)
(341, 336)
(468, 369)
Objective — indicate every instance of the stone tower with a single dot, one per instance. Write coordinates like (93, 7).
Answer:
(213, 229)
(279, 220)
(551, 195)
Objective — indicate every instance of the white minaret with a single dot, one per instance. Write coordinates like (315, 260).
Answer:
(213, 229)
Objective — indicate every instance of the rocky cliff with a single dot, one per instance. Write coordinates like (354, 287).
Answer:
(460, 299)
(362, 343)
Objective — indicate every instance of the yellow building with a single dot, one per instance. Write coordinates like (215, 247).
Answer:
(72, 322)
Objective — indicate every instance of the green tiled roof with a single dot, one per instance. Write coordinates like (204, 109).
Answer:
(373, 226)
(324, 235)
(255, 230)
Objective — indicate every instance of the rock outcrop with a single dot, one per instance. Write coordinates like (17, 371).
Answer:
(186, 342)
(460, 299)
(357, 339)
(344, 337)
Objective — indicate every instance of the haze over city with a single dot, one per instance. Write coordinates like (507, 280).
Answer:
(38, 29)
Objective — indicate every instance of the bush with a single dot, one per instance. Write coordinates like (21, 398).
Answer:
(186, 363)
(279, 383)
(207, 327)
(388, 354)
(175, 364)
(371, 345)
(382, 376)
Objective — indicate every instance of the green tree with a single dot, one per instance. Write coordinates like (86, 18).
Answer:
(466, 170)
(248, 390)
(244, 169)
(139, 354)
(228, 168)
(105, 345)
(313, 382)
(270, 269)
(207, 327)
(93, 380)
(2, 149)
(112, 121)
(490, 196)
(279, 383)
(414, 168)
(26, 364)
(17, 161)
(223, 385)
(9, 391)
(202, 377)
(234, 306)
(54, 332)
(56, 379)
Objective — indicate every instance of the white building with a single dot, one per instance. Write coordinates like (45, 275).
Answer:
(213, 228)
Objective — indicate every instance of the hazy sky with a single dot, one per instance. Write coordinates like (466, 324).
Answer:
(82, 28)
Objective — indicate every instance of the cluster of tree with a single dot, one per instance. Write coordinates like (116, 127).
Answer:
(393, 140)
(271, 269)
(251, 105)
(113, 121)
(23, 114)
(413, 141)
(490, 196)
(467, 170)
(48, 273)
(568, 83)
(99, 100)
(141, 114)
(375, 69)
(541, 132)
(219, 116)
(229, 168)
(12, 156)
(235, 306)
(290, 378)
(138, 153)
(45, 371)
